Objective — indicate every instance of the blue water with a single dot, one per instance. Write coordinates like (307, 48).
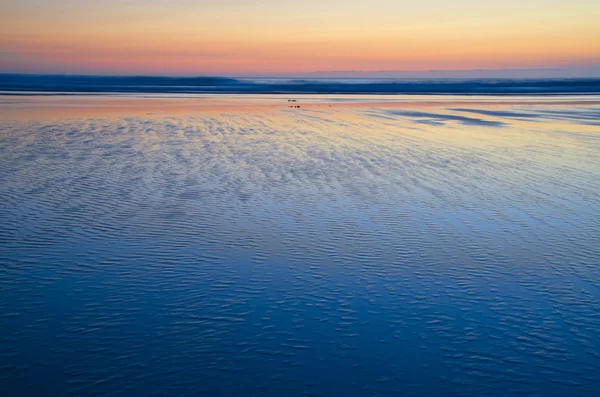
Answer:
(440, 249)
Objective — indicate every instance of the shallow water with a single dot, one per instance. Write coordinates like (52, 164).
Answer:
(235, 246)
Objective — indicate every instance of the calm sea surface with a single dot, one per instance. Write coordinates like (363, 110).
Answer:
(355, 246)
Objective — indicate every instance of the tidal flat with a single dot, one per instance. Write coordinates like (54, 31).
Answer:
(272, 245)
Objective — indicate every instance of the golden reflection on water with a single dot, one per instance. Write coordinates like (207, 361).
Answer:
(537, 126)
(160, 105)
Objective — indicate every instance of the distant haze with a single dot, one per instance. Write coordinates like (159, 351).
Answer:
(587, 72)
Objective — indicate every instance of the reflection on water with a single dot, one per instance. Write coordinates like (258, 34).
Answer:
(240, 247)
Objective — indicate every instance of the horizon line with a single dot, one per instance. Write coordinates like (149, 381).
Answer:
(593, 71)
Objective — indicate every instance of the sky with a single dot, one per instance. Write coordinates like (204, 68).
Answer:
(297, 37)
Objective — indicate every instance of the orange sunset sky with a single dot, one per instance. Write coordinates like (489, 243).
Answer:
(284, 37)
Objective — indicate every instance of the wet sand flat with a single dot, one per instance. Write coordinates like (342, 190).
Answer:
(237, 245)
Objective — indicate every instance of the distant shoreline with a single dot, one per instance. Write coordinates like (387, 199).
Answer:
(299, 94)
(21, 84)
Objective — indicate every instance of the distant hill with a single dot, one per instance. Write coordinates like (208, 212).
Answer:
(22, 83)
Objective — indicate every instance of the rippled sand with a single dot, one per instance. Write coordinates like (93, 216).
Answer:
(355, 246)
